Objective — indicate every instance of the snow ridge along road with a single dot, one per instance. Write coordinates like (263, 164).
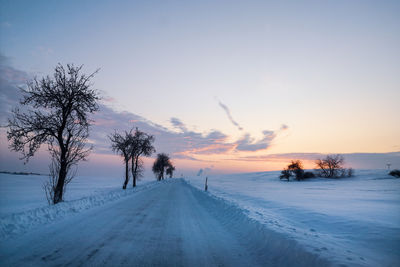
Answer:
(173, 224)
(18, 223)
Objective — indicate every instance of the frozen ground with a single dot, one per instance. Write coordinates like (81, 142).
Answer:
(168, 224)
(352, 221)
(24, 192)
(243, 219)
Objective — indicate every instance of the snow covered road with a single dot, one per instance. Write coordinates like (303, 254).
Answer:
(171, 224)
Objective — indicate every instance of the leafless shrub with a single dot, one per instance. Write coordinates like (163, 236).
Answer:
(50, 185)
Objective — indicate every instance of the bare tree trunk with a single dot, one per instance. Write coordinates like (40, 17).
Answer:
(126, 174)
(58, 191)
(134, 169)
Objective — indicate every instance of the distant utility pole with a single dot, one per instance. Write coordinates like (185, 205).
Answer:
(206, 186)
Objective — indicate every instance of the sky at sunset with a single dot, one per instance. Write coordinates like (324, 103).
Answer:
(224, 86)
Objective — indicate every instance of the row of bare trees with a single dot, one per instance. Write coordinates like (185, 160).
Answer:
(132, 146)
(329, 167)
(55, 110)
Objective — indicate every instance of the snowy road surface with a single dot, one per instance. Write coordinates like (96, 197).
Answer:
(171, 224)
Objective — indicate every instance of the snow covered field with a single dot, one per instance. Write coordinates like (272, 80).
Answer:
(354, 221)
(169, 224)
(24, 192)
(23, 204)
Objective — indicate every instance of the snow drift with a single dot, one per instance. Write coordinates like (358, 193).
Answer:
(17, 223)
(351, 221)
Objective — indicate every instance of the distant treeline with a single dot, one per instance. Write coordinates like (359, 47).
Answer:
(22, 173)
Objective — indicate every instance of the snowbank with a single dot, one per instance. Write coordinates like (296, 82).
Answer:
(20, 193)
(352, 221)
(18, 223)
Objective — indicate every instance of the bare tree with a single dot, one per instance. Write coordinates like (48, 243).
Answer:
(55, 113)
(122, 144)
(331, 166)
(160, 164)
(141, 145)
(170, 170)
(294, 168)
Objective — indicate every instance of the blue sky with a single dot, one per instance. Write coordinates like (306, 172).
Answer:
(296, 76)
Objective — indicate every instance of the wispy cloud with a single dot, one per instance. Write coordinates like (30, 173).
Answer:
(228, 113)
(183, 144)
(248, 143)
(284, 127)
(177, 123)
